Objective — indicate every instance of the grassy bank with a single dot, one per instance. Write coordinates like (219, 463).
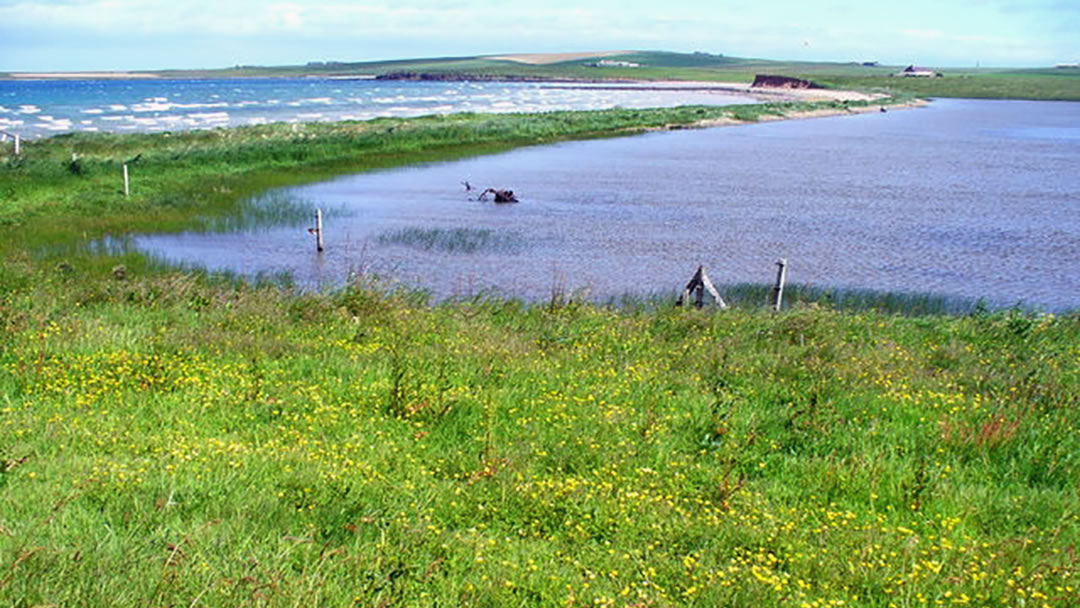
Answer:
(169, 439)
(166, 441)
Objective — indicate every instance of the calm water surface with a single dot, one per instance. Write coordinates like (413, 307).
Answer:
(966, 198)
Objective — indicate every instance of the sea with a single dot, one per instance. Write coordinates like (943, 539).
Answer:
(40, 108)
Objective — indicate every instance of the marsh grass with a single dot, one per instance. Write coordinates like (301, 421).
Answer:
(454, 240)
(270, 210)
(758, 296)
(851, 299)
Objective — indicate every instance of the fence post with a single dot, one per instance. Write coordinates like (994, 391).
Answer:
(778, 290)
(318, 231)
(17, 147)
(127, 183)
(697, 286)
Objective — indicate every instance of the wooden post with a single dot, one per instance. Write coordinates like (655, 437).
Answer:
(127, 183)
(698, 285)
(318, 231)
(778, 290)
(17, 147)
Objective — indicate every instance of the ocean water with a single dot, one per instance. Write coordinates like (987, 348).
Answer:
(966, 198)
(39, 108)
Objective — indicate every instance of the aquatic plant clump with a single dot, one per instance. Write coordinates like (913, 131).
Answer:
(454, 240)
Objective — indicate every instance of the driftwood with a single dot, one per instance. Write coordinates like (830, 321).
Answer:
(501, 196)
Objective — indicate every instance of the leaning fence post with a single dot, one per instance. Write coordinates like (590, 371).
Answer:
(127, 184)
(697, 286)
(778, 290)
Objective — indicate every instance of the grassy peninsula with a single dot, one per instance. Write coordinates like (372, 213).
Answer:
(174, 439)
(995, 83)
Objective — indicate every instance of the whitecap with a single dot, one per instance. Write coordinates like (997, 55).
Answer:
(93, 111)
(28, 109)
(151, 107)
(210, 116)
(196, 106)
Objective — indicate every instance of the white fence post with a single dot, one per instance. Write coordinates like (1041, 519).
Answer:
(778, 291)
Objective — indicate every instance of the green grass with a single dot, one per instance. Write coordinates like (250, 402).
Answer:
(170, 438)
(224, 445)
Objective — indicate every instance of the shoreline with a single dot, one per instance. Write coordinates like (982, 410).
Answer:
(728, 121)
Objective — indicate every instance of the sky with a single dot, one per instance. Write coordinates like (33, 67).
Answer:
(77, 35)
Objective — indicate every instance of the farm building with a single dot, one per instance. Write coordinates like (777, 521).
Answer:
(913, 71)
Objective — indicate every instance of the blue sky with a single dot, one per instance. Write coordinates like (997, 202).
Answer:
(40, 35)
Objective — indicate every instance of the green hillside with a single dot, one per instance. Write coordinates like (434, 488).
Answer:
(1043, 83)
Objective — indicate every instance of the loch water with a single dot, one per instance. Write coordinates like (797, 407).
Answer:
(965, 198)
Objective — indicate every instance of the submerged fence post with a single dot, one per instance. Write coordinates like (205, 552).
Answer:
(127, 183)
(778, 290)
(317, 231)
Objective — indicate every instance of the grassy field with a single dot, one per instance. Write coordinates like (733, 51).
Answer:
(174, 439)
(1048, 84)
(1044, 84)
